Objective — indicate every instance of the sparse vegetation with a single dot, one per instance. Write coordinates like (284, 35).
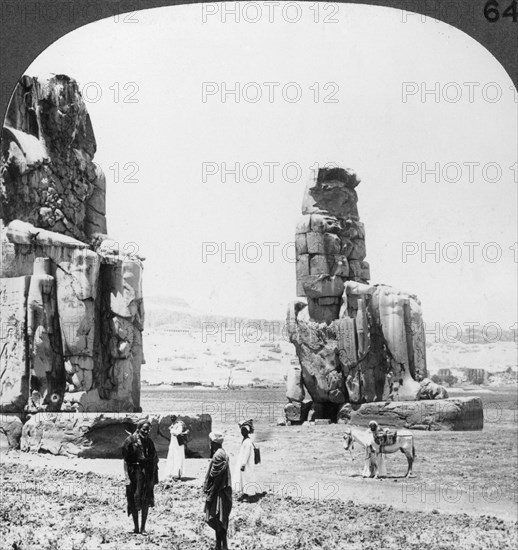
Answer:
(41, 516)
(61, 508)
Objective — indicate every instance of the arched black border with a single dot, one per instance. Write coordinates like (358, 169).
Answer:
(28, 27)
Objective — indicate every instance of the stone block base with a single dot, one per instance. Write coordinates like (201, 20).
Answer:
(11, 426)
(297, 412)
(456, 414)
(93, 435)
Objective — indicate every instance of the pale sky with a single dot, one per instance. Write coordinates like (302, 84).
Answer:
(364, 61)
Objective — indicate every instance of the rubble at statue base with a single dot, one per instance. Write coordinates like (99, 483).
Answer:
(71, 309)
(357, 343)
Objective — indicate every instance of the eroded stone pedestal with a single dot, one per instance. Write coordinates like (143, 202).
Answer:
(11, 426)
(91, 435)
(455, 413)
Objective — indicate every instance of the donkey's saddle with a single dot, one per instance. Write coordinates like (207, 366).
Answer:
(385, 436)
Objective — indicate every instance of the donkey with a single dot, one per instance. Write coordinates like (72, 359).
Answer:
(374, 460)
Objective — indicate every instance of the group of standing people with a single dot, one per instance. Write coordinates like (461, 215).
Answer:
(141, 474)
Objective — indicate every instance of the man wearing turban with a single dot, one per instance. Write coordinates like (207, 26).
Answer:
(376, 434)
(245, 473)
(218, 490)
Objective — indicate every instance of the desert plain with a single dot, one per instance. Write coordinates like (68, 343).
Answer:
(310, 491)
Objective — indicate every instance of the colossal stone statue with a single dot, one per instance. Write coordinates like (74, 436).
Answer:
(356, 342)
(71, 308)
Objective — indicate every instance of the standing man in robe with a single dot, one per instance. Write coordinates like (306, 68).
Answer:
(176, 455)
(141, 473)
(377, 435)
(218, 491)
(245, 472)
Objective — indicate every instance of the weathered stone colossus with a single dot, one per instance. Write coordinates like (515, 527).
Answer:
(48, 177)
(329, 242)
(356, 342)
(71, 308)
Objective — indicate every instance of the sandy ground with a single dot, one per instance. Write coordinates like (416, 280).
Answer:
(88, 515)
(463, 495)
(309, 462)
(312, 496)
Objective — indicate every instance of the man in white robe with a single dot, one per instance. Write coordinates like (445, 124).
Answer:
(246, 485)
(176, 455)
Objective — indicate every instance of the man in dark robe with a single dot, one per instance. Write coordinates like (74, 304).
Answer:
(141, 473)
(218, 490)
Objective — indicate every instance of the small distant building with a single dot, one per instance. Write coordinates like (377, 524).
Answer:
(476, 376)
(442, 373)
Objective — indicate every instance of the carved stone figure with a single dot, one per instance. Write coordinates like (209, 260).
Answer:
(72, 309)
(46, 366)
(356, 342)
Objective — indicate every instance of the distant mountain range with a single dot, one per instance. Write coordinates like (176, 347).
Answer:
(173, 313)
(167, 302)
